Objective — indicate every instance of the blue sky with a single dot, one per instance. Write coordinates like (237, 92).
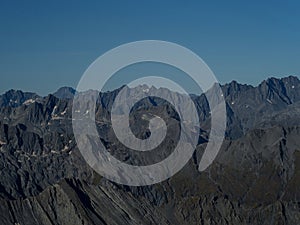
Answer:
(48, 44)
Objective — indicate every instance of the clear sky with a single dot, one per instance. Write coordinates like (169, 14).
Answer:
(48, 44)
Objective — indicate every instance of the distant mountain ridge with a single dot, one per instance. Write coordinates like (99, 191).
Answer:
(272, 82)
(247, 106)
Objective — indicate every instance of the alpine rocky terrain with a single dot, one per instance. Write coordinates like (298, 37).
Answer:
(255, 178)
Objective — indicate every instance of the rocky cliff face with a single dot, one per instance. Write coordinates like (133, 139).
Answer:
(254, 180)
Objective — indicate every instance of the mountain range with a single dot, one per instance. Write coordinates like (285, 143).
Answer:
(254, 180)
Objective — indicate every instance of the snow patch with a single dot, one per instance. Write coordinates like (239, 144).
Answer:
(64, 112)
(54, 109)
(29, 101)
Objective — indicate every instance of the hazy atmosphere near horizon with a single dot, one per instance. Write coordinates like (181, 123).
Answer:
(48, 44)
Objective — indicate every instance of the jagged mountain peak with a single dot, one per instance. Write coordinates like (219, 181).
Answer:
(273, 81)
(15, 98)
(65, 92)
